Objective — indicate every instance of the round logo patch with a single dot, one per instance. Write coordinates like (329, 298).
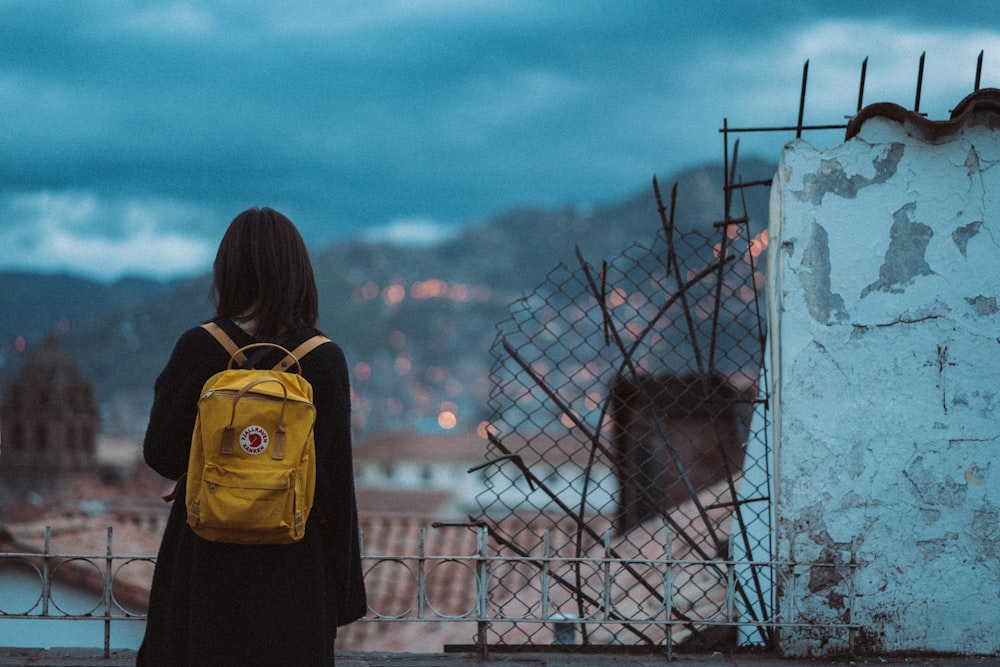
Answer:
(254, 440)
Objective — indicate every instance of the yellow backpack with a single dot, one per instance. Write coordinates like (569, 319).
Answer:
(252, 469)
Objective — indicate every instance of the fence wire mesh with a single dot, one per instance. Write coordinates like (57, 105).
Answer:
(622, 401)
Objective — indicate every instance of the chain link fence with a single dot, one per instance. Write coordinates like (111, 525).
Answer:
(623, 396)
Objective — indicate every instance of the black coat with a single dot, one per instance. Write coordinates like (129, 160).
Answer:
(223, 604)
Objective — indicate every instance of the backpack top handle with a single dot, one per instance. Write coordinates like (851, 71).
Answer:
(236, 352)
(283, 365)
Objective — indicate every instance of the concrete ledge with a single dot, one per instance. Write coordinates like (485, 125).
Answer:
(89, 657)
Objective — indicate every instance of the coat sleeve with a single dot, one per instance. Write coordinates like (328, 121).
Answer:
(175, 402)
(339, 516)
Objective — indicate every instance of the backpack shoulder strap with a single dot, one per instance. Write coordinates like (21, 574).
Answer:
(230, 346)
(301, 351)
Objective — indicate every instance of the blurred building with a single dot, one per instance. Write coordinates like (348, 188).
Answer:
(49, 421)
(408, 472)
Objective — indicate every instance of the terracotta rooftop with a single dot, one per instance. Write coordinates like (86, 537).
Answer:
(469, 448)
(392, 585)
(981, 106)
(384, 502)
(413, 446)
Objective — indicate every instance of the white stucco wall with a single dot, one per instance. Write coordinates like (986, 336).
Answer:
(884, 280)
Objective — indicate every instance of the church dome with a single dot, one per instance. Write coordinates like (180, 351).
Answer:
(48, 415)
(51, 365)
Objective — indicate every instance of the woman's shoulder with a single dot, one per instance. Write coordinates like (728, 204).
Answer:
(328, 348)
(322, 351)
(194, 337)
(194, 345)
(304, 333)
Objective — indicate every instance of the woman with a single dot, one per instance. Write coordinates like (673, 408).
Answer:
(222, 604)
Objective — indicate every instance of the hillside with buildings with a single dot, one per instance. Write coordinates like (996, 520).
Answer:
(417, 324)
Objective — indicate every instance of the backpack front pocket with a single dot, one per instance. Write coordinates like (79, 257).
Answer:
(259, 504)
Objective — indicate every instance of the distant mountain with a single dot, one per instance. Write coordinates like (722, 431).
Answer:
(515, 250)
(415, 346)
(34, 303)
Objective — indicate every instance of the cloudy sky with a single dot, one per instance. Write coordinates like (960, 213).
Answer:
(132, 132)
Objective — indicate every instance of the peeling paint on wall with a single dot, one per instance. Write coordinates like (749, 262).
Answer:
(929, 489)
(972, 475)
(833, 179)
(961, 235)
(986, 527)
(972, 161)
(815, 278)
(905, 258)
(885, 348)
(984, 305)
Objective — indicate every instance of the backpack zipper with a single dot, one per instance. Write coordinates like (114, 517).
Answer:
(259, 397)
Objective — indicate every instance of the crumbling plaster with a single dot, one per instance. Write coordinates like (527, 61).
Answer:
(883, 280)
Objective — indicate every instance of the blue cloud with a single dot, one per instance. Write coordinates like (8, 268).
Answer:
(351, 115)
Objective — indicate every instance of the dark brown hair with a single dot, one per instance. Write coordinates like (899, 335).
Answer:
(263, 273)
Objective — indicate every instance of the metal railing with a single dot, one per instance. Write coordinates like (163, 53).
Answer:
(655, 626)
(95, 573)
